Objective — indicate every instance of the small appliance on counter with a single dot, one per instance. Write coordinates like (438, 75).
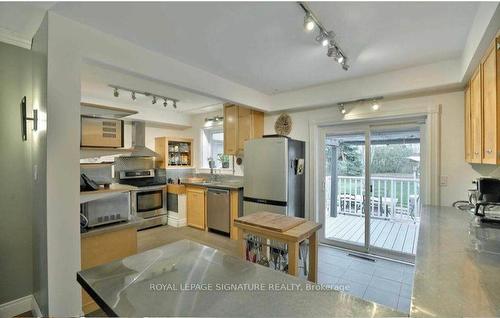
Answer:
(149, 200)
(112, 209)
(488, 199)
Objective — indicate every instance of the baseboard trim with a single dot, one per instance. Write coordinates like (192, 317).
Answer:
(16, 307)
(35, 308)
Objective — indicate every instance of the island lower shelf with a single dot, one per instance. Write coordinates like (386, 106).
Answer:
(103, 248)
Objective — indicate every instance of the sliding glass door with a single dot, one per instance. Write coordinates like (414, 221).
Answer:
(371, 184)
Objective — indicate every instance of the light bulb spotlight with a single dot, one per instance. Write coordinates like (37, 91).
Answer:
(342, 109)
(375, 106)
(309, 23)
(116, 93)
(165, 104)
(133, 96)
(154, 100)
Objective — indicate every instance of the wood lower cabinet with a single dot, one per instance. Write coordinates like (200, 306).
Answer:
(196, 207)
(241, 124)
(104, 248)
(482, 110)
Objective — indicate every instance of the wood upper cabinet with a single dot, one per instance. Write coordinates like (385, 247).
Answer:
(241, 124)
(196, 207)
(468, 143)
(174, 152)
(230, 129)
(476, 117)
(490, 106)
(482, 110)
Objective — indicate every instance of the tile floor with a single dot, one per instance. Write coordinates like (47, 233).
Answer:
(384, 282)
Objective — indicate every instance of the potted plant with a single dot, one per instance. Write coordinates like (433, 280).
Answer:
(224, 159)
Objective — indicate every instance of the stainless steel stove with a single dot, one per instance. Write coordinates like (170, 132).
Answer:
(149, 201)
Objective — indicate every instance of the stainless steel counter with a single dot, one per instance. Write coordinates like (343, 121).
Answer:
(134, 222)
(188, 279)
(457, 266)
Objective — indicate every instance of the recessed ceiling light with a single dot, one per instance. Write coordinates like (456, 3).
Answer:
(375, 106)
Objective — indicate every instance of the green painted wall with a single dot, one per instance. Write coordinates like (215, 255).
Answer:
(16, 264)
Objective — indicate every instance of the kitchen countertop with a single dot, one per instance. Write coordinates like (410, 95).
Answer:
(134, 222)
(457, 266)
(217, 184)
(189, 279)
(114, 188)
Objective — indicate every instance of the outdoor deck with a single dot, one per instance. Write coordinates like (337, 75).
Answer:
(395, 235)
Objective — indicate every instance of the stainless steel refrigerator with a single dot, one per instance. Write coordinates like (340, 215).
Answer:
(274, 178)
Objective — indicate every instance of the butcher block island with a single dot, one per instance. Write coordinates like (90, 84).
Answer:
(189, 279)
(259, 232)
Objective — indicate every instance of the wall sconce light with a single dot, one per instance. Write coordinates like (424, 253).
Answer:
(25, 119)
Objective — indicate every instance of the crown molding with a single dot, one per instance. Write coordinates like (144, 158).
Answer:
(14, 38)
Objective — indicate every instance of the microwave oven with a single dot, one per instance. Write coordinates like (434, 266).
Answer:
(101, 132)
(115, 208)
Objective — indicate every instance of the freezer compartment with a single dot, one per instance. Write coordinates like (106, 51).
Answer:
(218, 210)
(250, 207)
(266, 169)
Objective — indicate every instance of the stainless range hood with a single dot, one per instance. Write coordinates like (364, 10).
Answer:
(139, 148)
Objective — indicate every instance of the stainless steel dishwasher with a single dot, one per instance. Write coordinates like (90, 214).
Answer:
(218, 210)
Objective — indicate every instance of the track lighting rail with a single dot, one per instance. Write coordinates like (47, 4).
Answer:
(134, 92)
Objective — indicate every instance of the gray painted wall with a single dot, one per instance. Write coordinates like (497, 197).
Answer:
(39, 158)
(16, 265)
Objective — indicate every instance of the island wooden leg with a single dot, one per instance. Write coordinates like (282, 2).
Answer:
(313, 258)
(293, 258)
(242, 243)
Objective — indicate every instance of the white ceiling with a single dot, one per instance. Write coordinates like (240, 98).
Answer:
(96, 78)
(263, 45)
(22, 18)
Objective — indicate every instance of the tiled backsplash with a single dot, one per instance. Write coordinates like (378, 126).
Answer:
(103, 174)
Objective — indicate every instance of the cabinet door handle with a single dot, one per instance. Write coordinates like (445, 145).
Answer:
(489, 151)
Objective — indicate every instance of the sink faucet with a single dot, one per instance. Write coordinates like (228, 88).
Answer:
(211, 164)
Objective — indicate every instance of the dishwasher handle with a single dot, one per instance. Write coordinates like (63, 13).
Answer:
(218, 191)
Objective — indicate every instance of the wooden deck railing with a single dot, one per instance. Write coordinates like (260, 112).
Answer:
(391, 197)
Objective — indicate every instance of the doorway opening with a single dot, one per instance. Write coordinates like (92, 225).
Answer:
(383, 162)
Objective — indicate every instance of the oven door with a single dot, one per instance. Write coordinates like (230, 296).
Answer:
(149, 203)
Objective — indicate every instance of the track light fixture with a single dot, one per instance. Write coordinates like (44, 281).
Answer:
(326, 38)
(374, 102)
(309, 22)
(342, 109)
(154, 97)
